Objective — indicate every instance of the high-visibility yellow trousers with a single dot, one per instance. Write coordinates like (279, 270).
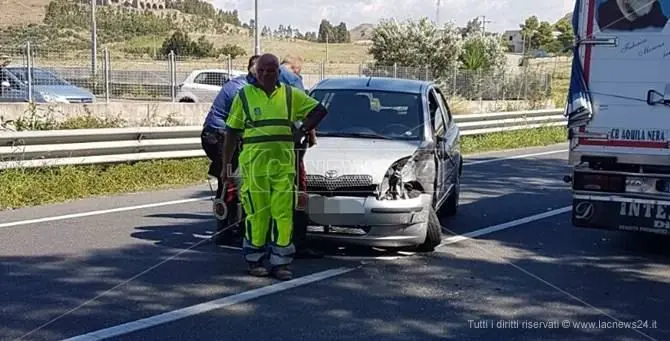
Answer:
(268, 203)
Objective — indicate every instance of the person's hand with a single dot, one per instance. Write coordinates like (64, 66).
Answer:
(311, 138)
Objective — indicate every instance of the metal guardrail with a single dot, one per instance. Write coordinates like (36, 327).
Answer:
(31, 149)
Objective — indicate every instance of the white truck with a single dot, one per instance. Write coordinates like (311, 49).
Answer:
(618, 115)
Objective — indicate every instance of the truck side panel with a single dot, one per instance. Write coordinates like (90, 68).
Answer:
(619, 134)
(619, 77)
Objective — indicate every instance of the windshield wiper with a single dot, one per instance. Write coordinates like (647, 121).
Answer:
(359, 134)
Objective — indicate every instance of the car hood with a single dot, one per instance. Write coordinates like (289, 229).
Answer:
(67, 91)
(356, 155)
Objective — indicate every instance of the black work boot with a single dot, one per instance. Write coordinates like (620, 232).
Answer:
(282, 273)
(258, 270)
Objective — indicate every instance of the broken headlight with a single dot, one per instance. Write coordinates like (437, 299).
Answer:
(397, 182)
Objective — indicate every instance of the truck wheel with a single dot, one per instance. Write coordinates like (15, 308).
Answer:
(433, 232)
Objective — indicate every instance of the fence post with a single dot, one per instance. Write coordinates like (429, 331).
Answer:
(105, 65)
(360, 70)
(427, 72)
(322, 72)
(173, 75)
(229, 65)
(29, 68)
(453, 86)
(395, 70)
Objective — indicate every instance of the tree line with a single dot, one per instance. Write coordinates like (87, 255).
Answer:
(552, 38)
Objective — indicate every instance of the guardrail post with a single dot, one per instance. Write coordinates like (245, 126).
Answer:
(105, 65)
(360, 70)
(427, 73)
(395, 70)
(29, 68)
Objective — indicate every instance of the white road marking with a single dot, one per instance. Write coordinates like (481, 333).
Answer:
(503, 226)
(523, 156)
(98, 212)
(197, 309)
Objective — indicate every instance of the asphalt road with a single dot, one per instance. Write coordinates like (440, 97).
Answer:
(114, 266)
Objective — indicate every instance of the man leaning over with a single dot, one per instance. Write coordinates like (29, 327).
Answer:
(263, 113)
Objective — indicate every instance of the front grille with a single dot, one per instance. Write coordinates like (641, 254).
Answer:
(343, 185)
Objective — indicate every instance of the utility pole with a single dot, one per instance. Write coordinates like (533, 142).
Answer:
(94, 40)
(437, 14)
(257, 40)
(484, 22)
(326, 46)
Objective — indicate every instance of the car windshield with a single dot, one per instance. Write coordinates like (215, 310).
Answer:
(39, 77)
(371, 114)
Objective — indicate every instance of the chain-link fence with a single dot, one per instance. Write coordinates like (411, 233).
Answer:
(75, 77)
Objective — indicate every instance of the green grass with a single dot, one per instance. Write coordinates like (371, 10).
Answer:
(31, 187)
(516, 139)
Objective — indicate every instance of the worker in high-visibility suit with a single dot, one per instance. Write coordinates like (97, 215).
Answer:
(263, 113)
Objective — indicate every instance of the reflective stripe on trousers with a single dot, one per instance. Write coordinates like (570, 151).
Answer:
(269, 203)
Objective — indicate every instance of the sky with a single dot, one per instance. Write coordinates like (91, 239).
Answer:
(307, 14)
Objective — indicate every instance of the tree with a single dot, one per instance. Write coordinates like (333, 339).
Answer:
(565, 37)
(538, 35)
(473, 26)
(529, 32)
(482, 53)
(342, 34)
(417, 44)
(325, 31)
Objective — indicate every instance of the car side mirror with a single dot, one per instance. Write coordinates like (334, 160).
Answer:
(5, 84)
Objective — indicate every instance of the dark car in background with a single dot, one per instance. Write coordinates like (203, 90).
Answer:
(47, 87)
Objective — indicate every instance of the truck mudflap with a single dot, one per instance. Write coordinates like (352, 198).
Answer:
(620, 213)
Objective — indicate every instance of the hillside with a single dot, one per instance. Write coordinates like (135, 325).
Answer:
(361, 32)
(22, 12)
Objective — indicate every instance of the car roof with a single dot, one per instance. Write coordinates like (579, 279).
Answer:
(220, 71)
(374, 83)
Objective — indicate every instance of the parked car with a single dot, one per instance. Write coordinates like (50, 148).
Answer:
(46, 87)
(387, 163)
(204, 85)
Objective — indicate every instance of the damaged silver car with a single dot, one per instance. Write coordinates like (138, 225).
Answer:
(386, 164)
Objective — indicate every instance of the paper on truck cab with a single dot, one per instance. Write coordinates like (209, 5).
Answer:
(619, 95)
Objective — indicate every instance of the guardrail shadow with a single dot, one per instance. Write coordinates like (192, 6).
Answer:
(510, 275)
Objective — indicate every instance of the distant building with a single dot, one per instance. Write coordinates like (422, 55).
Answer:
(138, 4)
(514, 40)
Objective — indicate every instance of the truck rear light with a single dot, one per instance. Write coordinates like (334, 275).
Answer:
(599, 182)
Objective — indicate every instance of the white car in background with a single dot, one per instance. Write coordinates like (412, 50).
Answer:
(204, 85)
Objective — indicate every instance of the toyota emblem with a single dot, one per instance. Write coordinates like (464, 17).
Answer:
(331, 174)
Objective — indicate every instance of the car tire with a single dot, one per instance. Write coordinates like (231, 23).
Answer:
(450, 207)
(433, 232)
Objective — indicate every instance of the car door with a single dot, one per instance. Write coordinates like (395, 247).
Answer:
(451, 141)
(208, 84)
(439, 133)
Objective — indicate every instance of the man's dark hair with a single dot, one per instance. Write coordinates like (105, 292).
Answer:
(252, 61)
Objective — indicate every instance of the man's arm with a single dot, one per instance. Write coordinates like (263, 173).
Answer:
(234, 129)
(307, 109)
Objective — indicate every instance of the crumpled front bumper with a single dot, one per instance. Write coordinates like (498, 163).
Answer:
(368, 221)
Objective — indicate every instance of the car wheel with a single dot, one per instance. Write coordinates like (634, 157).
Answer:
(433, 232)
(450, 207)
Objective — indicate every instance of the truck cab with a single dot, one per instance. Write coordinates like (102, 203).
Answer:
(618, 115)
